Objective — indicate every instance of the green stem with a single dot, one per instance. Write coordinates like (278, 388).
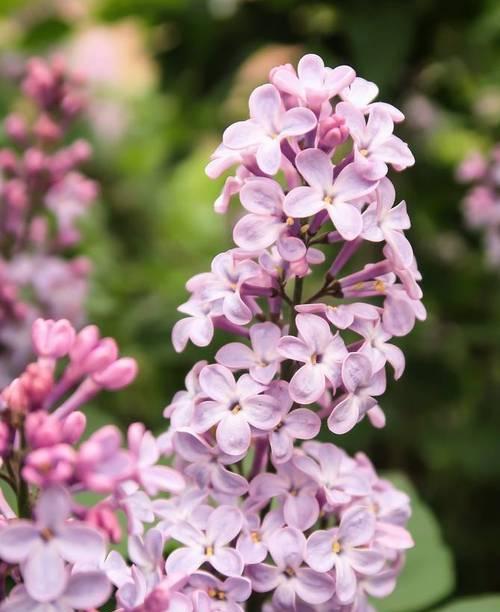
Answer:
(23, 500)
(23, 492)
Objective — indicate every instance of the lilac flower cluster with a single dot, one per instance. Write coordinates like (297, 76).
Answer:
(236, 506)
(481, 204)
(42, 197)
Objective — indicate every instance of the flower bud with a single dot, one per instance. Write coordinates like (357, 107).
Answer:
(52, 338)
(73, 427)
(119, 374)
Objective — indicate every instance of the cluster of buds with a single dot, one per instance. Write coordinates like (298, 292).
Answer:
(42, 197)
(238, 506)
(481, 205)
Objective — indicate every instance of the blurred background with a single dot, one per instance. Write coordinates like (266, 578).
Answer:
(165, 77)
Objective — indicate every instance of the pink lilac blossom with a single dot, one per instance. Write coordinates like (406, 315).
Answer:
(481, 204)
(43, 196)
(236, 506)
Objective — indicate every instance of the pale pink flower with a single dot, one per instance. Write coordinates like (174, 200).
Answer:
(361, 384)
(336, 474)
(197, 327)
(322, 355)
(234, 407)
(207, 465)
(214, 595)
(375, 145)
(295, 491)
(181, 409)
(268, 125)
(43, 547)
(144, 451)
(325, 191)
(267, 223)
(262, 360)
(342, 315)
(361, 94)
(313, 83)
(347, 548)
(253, 542)
(288, 578)
(210, 545)
(377, 348)
(101, 464)
(298, 424)
(384, 221)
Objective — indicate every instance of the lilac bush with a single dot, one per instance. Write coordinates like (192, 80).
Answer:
(238, 505)
(43, 194)
(481, 204)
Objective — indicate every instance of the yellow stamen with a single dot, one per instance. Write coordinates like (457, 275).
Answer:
(336, 547)
(255, 537)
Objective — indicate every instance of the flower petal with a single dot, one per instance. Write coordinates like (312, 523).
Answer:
(44, 573)
(307, 384)
(316, 168)
(233, 434)
(303, 202)
(287, 547)
(319, 552)
(87, 590)
(269, 156)
(314, 588)
(224, 524)
(17, 540)
(184, 561)
(264, 577)
(80, 543)
(227, 561)
(217, 382)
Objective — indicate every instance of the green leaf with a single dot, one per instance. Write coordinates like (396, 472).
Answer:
(484, 603)
(428, 575)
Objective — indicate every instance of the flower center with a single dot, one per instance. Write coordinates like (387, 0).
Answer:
(328, 200)
(209, 551)
(216, 594)
(235, 409)
(315, 358)
(290, 572)
(336, 547)
(363, 152)
(255, 537)
(290, 221)
(380, 286)
(46, 534)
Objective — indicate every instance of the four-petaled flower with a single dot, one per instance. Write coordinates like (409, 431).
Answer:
(43, 547)
(327, 190)
(288, 578)
(347, 549)
(268, 125)
(322, 354)
(210, 545)
(235, 407)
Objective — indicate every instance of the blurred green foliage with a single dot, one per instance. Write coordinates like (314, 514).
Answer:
(154, 226)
